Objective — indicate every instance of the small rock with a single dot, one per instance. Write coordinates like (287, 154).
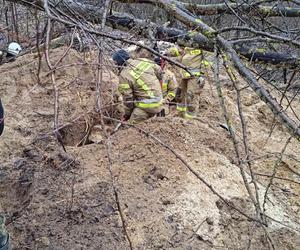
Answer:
(209, 221)
(167, 202)
(43, 242)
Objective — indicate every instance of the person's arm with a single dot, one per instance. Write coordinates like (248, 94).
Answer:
(1, 118)
(173, 52)
(158, 72)
(172, 86)
(127, 98)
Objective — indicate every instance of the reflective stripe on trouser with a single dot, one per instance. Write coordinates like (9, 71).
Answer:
(194, 88)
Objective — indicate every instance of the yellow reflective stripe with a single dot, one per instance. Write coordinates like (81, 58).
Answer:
(191, 51)
(187, 74)
(206, 63)
(148, 105)
(188, 116)
(172, 94)
(124, 86)
(174, 51)
(181, 108)
(165, 86)
(140, 69)
(145, 87)
(137, 72)
(195, 52)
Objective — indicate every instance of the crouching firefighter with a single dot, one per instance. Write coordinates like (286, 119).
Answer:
(139, 87)
(192, 82)
(168, 84)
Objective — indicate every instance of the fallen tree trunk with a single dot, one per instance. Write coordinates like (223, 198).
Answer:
(251, 9)
(182, 37)
(183, 15)
(189, 20)
(226, 8)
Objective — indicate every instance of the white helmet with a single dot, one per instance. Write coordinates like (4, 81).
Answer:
(14, 48)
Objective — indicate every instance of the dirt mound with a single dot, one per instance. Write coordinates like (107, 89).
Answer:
(56, 200)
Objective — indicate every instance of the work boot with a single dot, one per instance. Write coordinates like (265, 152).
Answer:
(4, 236)
(189, 116)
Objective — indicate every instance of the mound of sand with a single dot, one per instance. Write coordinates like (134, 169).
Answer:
(56, 200)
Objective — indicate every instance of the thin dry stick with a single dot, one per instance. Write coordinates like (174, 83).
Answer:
(56, 106)
(55, 88)
(254, 199)
(275, 168)
(37, 25)
(232, 133)
(107, 135)
(277, 177)
(186, 164)
(244, 129)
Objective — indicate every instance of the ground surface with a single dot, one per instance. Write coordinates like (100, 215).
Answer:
(58, 200)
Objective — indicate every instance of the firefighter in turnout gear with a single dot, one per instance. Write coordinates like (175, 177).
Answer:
(192, 82)
(168, 84)
(139, 87)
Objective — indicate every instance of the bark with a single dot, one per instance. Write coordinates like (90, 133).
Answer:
(182, 37)
(179, 12)
(188, 19)
(251, 9)
(225, 8)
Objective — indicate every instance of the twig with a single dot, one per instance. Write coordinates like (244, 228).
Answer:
(277, 177)
(108, 142)
(244, 130)
(275, 168)
(232, 135)
(186, 164)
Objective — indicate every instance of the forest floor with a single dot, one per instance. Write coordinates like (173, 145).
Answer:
(58, 200)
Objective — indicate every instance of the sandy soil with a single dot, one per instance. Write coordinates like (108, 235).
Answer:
(58, 200)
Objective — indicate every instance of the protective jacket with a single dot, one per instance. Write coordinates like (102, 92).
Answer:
(192, 58)
(139, 82)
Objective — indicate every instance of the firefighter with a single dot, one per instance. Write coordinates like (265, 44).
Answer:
(192, 82)
(139, 87)
(4, 236)
(168, 85)
(11, 52)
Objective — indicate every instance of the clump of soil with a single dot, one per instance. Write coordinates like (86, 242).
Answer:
(54, 199)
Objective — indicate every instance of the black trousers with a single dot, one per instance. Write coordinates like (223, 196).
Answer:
(1, 118)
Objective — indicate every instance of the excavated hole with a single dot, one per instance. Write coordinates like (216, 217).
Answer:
(75, 134)
(82, 133)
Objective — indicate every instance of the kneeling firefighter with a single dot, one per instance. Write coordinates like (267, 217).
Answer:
(139, 87)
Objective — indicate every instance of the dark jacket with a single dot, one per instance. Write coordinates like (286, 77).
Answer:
(1, 118)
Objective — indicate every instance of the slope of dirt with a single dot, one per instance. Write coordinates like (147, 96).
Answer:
(57, 200)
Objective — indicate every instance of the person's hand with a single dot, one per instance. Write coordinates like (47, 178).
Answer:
(165, 101)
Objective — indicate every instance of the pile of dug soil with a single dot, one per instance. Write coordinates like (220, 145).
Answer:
(54, 199)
